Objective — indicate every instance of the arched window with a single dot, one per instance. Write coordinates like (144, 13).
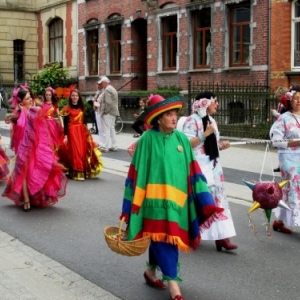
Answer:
(56, 40)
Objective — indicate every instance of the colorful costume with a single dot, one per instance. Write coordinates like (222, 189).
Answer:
(4, 164)
(166, 196)
(80, 156)
(223, 228)
(35, 161)
(55, 129)
(287, 126)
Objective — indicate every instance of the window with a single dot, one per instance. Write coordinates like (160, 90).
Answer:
(19, 60)
(169, 42)
(296, 35)
(239, 35)
(92, 51)
(202, 38)
(115, 48)
(56, 40)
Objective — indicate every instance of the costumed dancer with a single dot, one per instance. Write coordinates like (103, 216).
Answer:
(165, 195)
(50, 110)
(77, 151)
(4, 162)
(37, 178)
(204, 136)
(287, 127)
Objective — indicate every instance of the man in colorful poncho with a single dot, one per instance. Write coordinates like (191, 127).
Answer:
(166, 195)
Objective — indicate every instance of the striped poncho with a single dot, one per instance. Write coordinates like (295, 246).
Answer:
(166, 195)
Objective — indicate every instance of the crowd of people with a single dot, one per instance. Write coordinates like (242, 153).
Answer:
(176, 209)
(50, 146)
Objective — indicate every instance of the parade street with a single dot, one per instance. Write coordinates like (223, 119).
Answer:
(71, 233)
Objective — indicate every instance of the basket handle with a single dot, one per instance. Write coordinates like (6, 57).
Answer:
(120, 228)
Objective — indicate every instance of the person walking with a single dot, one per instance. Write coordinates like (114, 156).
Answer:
(204, 136)
(287, 127)
(165, 195)
(77, 151)
(37, 178)
(108, 112)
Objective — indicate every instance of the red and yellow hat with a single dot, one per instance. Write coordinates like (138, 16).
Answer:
(159, 105)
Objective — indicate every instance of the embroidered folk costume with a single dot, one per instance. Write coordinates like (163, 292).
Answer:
(80, 156)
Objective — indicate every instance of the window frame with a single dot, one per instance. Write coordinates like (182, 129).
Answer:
(240, 25)
(293, 34)
(112, 43)
(20, 53)
(204, 30)
(93, 47)
(59, 38)
(171, 35)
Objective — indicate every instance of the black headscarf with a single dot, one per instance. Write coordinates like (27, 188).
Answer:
(210, 143)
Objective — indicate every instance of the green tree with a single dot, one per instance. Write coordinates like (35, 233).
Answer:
(52, 75)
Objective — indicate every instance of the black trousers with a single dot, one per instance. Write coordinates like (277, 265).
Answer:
(138, 126)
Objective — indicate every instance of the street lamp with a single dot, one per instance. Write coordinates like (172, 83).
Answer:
(150, 3)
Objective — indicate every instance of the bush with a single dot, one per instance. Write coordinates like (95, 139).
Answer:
(52, 75)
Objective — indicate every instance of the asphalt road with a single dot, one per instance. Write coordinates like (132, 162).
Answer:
(71, 232)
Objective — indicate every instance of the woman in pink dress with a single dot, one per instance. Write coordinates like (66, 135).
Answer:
(49, 111)
(37, 177)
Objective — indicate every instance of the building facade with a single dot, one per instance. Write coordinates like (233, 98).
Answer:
(35, 33)
(145, 44)
(285, 43)
(163, 43)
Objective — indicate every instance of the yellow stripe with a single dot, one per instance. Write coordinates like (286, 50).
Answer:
(167, 192)
(139, 195)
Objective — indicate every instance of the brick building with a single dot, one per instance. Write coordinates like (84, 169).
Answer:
(285, 43)
(164, 42)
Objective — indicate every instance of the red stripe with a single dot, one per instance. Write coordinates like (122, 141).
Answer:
(163, 226)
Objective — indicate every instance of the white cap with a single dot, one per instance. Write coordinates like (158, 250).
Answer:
(103, 79)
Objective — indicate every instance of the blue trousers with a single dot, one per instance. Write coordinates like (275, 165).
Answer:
(165, 256)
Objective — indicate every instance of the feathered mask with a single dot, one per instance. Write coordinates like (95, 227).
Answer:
(15, 100)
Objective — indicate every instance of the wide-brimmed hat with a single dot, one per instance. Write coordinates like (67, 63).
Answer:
(159, 105)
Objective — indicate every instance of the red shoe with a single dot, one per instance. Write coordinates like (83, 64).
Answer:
(177, 297)
(279, 226)
(158, 284)
(225, 243)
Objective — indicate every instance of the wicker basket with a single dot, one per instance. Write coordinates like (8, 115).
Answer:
(128, 248)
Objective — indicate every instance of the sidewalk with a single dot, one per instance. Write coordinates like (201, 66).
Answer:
(28, 274)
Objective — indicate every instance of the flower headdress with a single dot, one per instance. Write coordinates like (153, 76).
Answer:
(200, 106)
(51, 89)
(15, 100)
(286, 97)
(25, 86)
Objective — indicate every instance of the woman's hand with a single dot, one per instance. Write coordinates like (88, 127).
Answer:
(224, 145)
(65, 139)
(209, 129)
